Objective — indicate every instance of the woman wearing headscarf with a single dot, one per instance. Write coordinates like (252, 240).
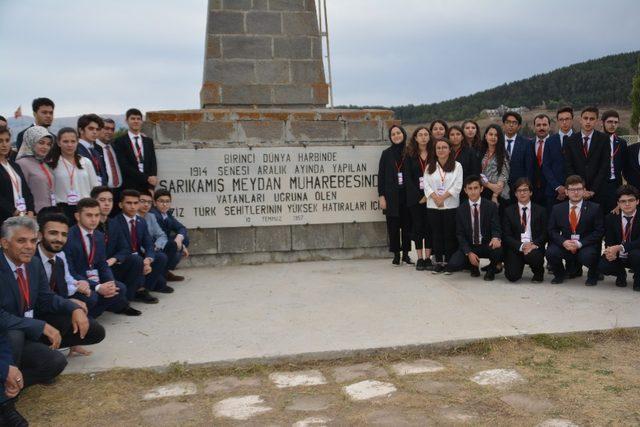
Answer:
(15, 196)
(36, 144)
(393, 197)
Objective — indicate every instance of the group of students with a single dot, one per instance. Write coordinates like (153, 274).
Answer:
(84, 231)
(460, 196)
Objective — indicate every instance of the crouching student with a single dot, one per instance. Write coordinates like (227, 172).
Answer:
(622, 239)
(178, 239)
(478, 232)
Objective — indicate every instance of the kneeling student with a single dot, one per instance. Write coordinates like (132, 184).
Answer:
(622, 239)
(575, 233)
(178, 242)
(478, 232)
(524, 233)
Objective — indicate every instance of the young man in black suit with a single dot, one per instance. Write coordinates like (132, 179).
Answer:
(136, 155)
(622, 239)
(478, 232)
(517, 148)
(587, 155)
(617, 153)
(542, 126)
(553, 166)
(575, 233)
(524, 233)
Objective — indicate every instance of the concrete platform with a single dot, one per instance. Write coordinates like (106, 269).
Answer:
(335, 307)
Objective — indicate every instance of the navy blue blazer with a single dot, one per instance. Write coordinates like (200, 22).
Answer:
(553, 167)
(590, 226)
(98, 162)
(521, 160)
(631, 165)
(6, 358)
(613, 232)
(43, 300)
(77, 259)
(61, 282)
(171, 226)
(595, 168)
(119, 233)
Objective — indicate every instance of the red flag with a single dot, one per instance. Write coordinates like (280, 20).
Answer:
(18, 113)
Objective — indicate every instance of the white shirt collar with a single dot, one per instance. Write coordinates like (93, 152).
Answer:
(129, 218)
(44, 256)
(578, 205)
(84, 231)
(565, 134)
(12, 266)
(544, 139)
(583, 135)
(86, 144)
(132, 135)
(478, 202)
(528, 206)
(622, 214)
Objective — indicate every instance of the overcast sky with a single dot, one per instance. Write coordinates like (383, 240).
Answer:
(104, 56)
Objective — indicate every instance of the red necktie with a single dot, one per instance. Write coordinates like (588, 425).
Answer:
(134, 235)
(24, 290)
(573, 219)
(112, 166)
(539, 152)
(585, 146)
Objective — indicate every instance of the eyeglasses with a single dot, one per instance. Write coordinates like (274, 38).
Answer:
(523, 190)
(575, 190)
(145, 202)
(163, 202)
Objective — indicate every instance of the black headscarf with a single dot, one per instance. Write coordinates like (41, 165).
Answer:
(398, 149)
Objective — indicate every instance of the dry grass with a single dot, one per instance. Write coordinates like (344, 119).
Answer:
(591, 379)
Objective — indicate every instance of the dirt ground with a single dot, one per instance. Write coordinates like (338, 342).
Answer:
(589, 379)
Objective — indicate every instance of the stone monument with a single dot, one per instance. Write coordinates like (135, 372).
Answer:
(263, 172)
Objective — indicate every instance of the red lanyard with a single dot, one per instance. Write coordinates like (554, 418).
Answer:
(626, 236)
(15, 181)
(458, 153)
(423, 164)
(91, 255)
(399, 166)
(615, 152)
(137, 150)
(71, 172)
(47, 173)
(442, 173)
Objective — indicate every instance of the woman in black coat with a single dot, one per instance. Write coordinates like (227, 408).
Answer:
(393, 197)
(464, 154)
(15, 196)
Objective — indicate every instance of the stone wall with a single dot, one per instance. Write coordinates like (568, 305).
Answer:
(195, 129)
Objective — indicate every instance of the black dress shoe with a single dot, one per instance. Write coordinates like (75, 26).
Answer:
(636, 287)
(489, 275)
(475, 272)
(621, 281)
(538, 278)
(406, 259)
(129, 311)
(420, 264)
(438, 268)
(174, 277)
(145, 297)
(428, 265)
(166, 289)
(10, 415)
(557, 280)
(396, 259)
(591, 281)
(600, 276)
(574, 274)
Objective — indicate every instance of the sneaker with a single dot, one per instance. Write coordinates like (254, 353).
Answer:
(145, 297)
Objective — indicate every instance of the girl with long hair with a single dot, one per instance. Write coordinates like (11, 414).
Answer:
(471, 132)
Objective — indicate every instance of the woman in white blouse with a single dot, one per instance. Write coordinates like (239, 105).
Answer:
(442, 186)
(74, 174)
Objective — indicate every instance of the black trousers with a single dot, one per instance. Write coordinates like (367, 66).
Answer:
(442, 223)
(587, 256)
(608, 198)
(514, 263)
(619, 266)
(129, 272)
(173, 254)
(459, 260)
(39, 363)
(419, 226)
(399, 230)
(114, 304)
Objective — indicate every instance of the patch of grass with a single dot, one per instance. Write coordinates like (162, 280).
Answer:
(604, 372)
(561, 342)
(478, 348)
(545, 366)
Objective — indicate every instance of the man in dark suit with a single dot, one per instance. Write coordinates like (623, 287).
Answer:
(128, 227)
(478, 232)
(11, 383)
(541, 125)
(42, 116)
(111, 163)
(136, 155)
(38, 321)
(575, 233)
(89, 125)
(631, 165)
(553, 168)
(622, 239)
(524, 234)
(86, 254)
(178, 242)
(587, 155)
(518, 150)
(617, 154)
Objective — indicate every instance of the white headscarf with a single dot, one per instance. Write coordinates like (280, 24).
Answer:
(31, 137)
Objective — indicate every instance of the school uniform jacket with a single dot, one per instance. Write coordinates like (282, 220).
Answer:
(590, 224)
(489, 224)
(613, 232)
(511, 227)
(78, 261)
(132, 178)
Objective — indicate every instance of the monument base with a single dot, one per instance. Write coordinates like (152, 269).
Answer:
(273, 127)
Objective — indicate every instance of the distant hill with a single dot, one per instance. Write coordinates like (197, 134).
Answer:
(603, 81)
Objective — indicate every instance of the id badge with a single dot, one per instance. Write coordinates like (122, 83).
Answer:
(484, 179)
(623, 255)
(524, 238)
(141, 167)
(52, 198)
(400, 178)
(21, 205)
(575, 237)
(73, 197)
(421, 180)
(440, 190)
(29, 314)
(92, 275)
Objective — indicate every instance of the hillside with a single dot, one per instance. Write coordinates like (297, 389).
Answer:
(603, 81)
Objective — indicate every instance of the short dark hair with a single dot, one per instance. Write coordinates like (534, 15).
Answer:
(108, 120)
(41, 102)
(3, 118)
(573, 180)
(43, 220)
(161, 192)
(565, 109)
(86, 203)
(590, 109)
(85, 119)
(541, 116)
(129, 192)
(146, 192)
(471, 179)
(95, 191)
(517, 116)
(626, 190)
(4, 129)
(610, 113)
(523, 180)
(133, 112)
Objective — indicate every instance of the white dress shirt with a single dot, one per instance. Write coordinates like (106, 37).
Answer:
(537, 144)
(445, 182)
(526, 236)
(590, 136)
(506, 144)
(83, 179)
(68, 278)
(562, 135)
(106, 148)
(132, 137)
(479, 218)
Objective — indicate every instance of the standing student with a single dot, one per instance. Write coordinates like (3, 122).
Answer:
(463, 153)
(541, 125)
(524, 234)
(392, 195)
(89, 126)
(622, 239)
(136, 155)
(472, 134)
(74, 175)
(517, 149)
(442, 186)
(36, 146)
(494, 166)
(478, 232)
(416, 155)
(575, 233)
(15, 196)
(42, 116)
(587, 155)
(438, 129)
(553, 167)
(617, 153)
(111, 164)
